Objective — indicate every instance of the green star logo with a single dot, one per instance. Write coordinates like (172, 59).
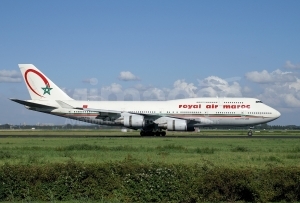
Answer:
(47, 89)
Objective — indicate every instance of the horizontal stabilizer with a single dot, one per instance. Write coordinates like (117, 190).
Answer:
(32, 104)
(64, 105)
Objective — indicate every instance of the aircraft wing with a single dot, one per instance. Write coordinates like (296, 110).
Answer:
(142, 114)
(100, 110)
(119, 112)
(106, 111)
(114, 111)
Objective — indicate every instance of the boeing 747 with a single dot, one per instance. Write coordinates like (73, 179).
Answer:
(152, 118)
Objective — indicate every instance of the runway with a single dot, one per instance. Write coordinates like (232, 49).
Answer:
(159, 137)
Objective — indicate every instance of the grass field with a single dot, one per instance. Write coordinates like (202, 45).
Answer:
(229, 152)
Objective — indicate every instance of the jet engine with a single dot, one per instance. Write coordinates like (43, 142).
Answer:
(179, 125)
(134, 121)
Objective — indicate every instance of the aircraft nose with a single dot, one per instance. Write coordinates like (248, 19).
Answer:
(277, 114)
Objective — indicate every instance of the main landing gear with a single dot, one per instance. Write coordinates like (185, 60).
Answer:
(152, 133)
(250, 133)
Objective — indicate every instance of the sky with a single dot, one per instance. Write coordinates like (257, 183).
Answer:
(152, 50)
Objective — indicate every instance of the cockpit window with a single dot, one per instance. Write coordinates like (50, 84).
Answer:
(259, 102)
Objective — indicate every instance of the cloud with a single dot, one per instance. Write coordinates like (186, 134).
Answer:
(91, 94)
(282, 94)
(91, 81)
(295, 85)
(182, 89)
(132, 94)
(265, 77)
(279, 89)
(292, 100)
(127, 76)
(289, 65)
(214, 86)
(142, 87)
(113, 88)
(259, 77)
(247, 89)
(80, 94)
(154, 94)
(270, 96)
(233, 79)
(113, 92)
(10, 76)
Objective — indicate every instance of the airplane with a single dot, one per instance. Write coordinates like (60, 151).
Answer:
(152, 118)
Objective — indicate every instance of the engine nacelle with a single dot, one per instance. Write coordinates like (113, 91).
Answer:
(179, 125)
(134, 121)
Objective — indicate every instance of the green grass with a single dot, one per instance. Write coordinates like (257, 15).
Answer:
(205, 154)
(235, 152)
(71, 201)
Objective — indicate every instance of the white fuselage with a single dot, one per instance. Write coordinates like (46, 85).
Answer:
(204, 111)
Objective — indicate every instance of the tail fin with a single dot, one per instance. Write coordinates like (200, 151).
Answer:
(39, 86)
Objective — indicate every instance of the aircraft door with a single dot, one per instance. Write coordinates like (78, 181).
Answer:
(206, 113)
(242, 114)
(221, 101)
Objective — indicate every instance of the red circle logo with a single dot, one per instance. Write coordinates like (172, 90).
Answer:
(40, 75)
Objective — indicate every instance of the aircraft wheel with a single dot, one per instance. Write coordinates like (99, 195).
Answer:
(250, 133)
(157, 133)
(142, 133)
(163, 133)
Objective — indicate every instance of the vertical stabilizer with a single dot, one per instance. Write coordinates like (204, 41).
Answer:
(39, 86)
